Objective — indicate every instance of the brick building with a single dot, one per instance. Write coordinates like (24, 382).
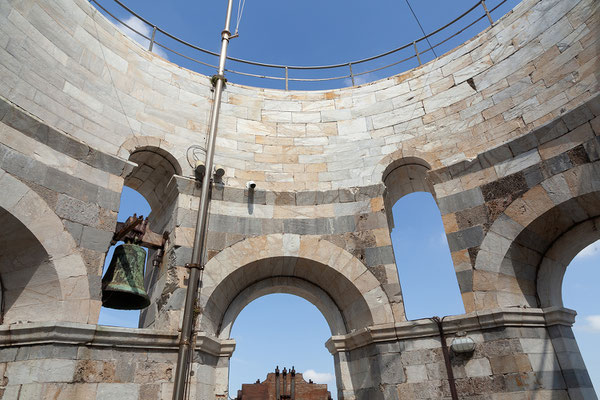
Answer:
(284, 385)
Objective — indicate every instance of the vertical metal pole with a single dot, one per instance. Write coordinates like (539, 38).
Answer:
(451, 381)
(417, 52)
(487, 13)
(351, 73)
(183, 361)
(286, 78)
(152, 40)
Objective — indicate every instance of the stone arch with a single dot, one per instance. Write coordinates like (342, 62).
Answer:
(290, 285)
(59, 283)
(155, 166)
(516, 255)
(352, 288)
(397, 159)
(556, 260)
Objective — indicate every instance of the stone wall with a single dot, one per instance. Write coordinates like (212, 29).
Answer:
(503, 131)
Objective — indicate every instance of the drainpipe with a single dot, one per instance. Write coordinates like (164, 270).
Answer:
(446, 353)
(196, 266)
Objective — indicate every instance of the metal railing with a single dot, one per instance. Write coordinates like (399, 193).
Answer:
(351, 73)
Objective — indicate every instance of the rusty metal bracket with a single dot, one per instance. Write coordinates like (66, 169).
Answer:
(197, 266)
(135, 229)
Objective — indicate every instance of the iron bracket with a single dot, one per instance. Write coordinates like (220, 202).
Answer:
(197, 266)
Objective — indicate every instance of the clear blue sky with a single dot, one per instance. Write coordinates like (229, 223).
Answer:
(312, 32)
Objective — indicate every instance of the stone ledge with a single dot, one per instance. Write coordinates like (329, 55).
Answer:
(28, 124)
(105, 336)
(476, 321)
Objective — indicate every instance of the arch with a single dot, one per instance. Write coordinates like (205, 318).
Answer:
(290, 285)
(160, 146)
(400, 158)
(155, 166)
(556, 260)
(57, 249)
(508, 266)
(353, 289)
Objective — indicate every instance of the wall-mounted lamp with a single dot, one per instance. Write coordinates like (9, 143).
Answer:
(462, 344)
(219, 172)
(200, 169)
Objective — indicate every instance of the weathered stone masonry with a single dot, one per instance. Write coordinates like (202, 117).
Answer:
(503, 131)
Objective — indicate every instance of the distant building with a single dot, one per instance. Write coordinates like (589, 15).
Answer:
(284, 385)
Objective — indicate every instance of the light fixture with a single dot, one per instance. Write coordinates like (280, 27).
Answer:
(462, 344)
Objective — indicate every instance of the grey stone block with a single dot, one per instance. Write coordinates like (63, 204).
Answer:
(228, 224)
(551, 131)
(461, 201)
(523, 144)
(576, 378)
(20, 121)
(465, 281)
(557, 164)
(257, 196)
(272, 226)
(4, 108)
(592, 148)
(533, 175)
(307, 198)
(233, 195)
(75, 229)
(95, 239)
(379, 255)
(176, 300)
(77, 211)
(464, 167)
(64, 183)
(578, 116)
(60, 142)
(108, 199)
(343, 224)
(346, 195)
(495, 156)
(24, 167)
(179, 256)
(466, 238)
(369, 192)
(217, 192)
(328, 197)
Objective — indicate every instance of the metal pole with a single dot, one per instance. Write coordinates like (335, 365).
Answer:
(152, 40)
(451, 381)
(351, 73)
(417, 52)
(286, 78)
(487, 13)
(197, 266)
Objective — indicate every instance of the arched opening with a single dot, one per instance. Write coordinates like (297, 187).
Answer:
(131, 203)
(580, 292)
(346, 293)
(425, 268)
(280, 330)
(147, 193)
(29, 282)
(523, 259)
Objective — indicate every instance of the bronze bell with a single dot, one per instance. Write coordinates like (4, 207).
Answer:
(123, 282)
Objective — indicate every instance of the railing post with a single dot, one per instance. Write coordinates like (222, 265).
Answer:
(351, 73)
(286, 78)
(417, 52)
(487, 13)
(152, 40)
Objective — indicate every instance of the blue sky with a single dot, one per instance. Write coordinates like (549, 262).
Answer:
(312, 32)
